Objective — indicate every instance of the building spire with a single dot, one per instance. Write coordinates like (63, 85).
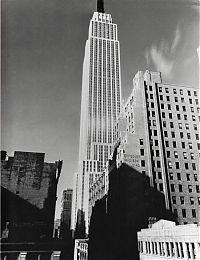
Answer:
(100, 6)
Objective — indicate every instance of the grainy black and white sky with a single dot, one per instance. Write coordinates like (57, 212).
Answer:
(43, 45)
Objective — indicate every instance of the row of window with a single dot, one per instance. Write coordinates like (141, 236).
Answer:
(182, 200)
(171, 249)
(190, 188)
(185, 213)
(175, 91)
(178, 175)
(186, 165)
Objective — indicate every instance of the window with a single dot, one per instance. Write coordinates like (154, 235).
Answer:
(159, 175)
(161, 97)
(190, 100)
(195, 93)
(199, 200)
(180, 125)
(155, 132)
(179, 116)
(183, 144)
(196, 101)
(197, 188)
(162, 106)
(192, 109)
(188, 136)
(194, 213)
(170, 165)
(157, 153)
(174, 91)
(182, 199)
(184, 108)
(152, 105)
(158, 164)
(168, 98)
(164, 124)
(181, 92)
(151, 96)
(182, 100)
(143, 163)
(185, 117)
(153, 113)
(190, 145)
(197, 136)
(167, 143)
(165, 134)
(173, 199)
(178, 176)
(195, 127)
(184, 213)
(174, 144)
(160, 186)
(154, 122)
(192, 156)
(173, 134)
(190, 188)
(150, 88)
(156, 142)
(184, 155)
(186, 166)
(177, 165)
(180, 188)
(176, 99)
(168, 154)
(195, 177)
(194, 166)
(192, 200)
(193, 118)
(175, 154)
(166, 90)
(170, 115)
(181, 134)
(142, 152)
(172, 188)
(169, 107)
(189, 93)
(187, 126)
(188, 177)
(141, 141)
(171, 124)
(163, 114)
(171, 175)
(177, 107)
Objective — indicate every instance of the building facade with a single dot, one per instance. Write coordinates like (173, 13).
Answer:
(166, 240)
(164, 122)
(100, 102)
(28, 199)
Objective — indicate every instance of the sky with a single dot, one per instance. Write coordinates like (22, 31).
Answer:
(43, 44)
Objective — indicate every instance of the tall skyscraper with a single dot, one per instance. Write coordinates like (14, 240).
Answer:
(100, 102)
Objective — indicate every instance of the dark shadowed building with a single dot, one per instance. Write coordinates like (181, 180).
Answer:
(128, 207)
(28, 197)
(65, 220)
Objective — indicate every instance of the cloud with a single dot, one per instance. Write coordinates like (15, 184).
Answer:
(162, 57)
(161, 62)
(176, 40)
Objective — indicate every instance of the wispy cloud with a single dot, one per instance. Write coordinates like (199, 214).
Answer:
(162, 57)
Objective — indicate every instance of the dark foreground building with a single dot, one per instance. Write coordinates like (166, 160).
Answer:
(131, 204)
(28, 199)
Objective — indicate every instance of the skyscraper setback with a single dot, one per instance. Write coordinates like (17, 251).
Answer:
(100, 102)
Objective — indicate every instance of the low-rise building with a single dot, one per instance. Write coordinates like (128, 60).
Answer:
(166, 240)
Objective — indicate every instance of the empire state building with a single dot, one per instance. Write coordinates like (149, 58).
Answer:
(100, 102)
